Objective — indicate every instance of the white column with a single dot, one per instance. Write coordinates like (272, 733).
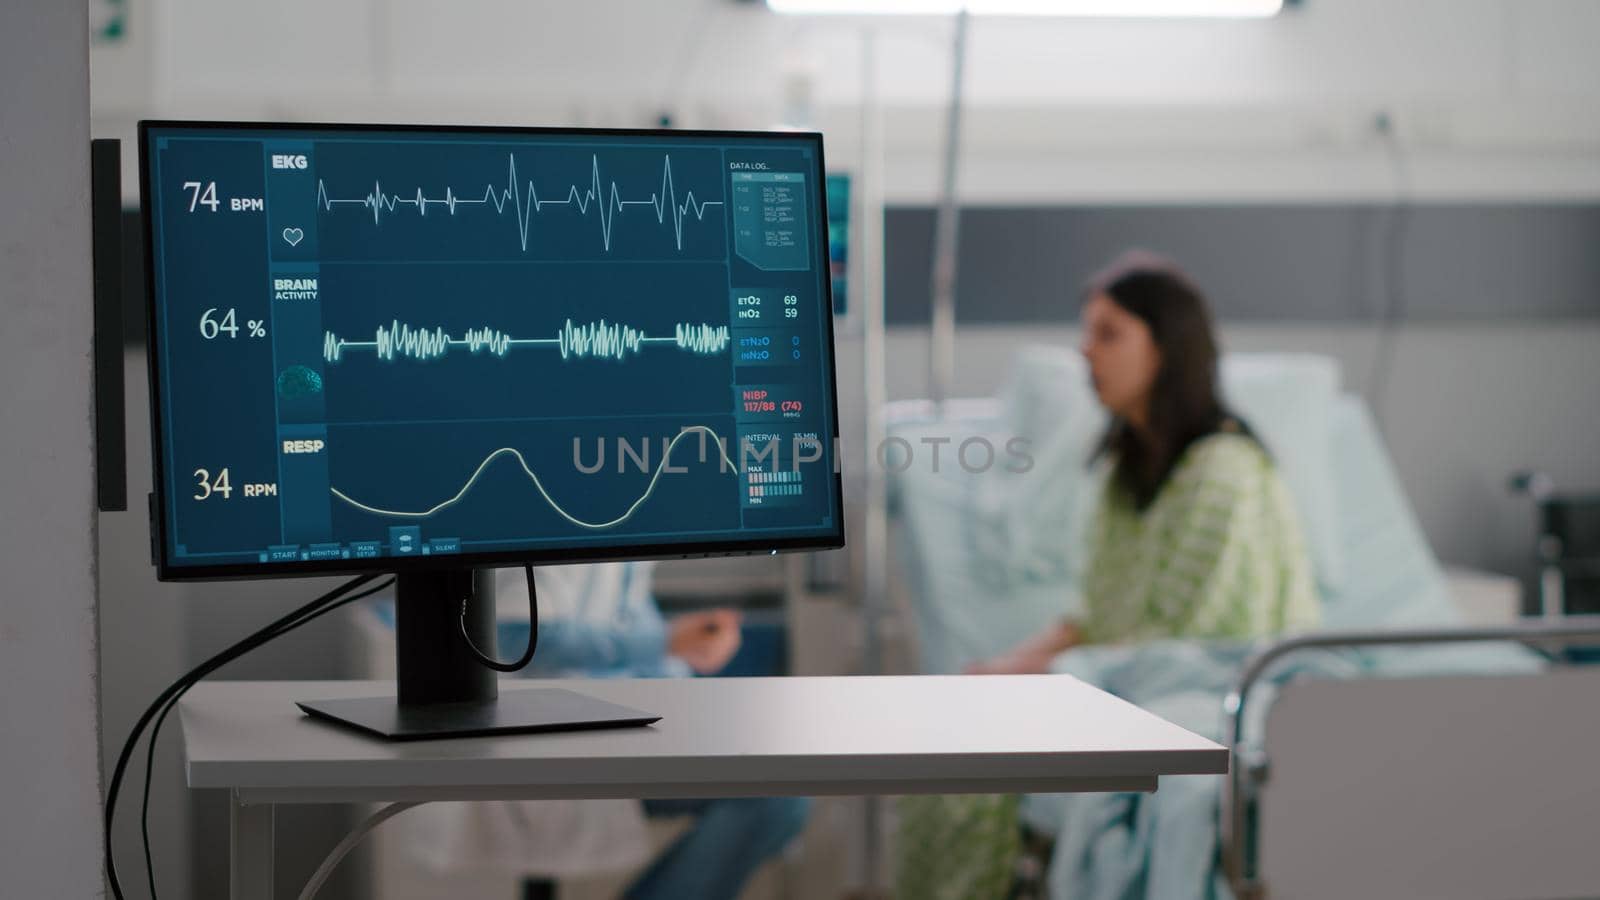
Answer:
(49, 746)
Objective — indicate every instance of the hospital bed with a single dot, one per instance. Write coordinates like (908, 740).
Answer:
(1395, 752)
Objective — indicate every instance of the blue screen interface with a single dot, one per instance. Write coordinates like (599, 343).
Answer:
(374, 344)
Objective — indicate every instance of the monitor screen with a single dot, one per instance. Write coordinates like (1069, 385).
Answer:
(392, 347)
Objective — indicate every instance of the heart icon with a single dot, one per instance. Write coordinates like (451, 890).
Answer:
(294, 236)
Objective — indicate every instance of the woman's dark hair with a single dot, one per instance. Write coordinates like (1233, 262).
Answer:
(1186, 400)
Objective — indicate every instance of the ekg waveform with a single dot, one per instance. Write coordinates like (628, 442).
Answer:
(523, 200)
(595, 339)
(666, 456)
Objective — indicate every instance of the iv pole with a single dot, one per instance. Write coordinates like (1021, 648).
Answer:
(941, 356)
(946, 234)
(875, 537)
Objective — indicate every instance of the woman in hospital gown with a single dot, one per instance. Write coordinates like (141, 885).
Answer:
(1194, 536)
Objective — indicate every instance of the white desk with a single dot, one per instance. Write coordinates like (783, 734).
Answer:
(717, 738)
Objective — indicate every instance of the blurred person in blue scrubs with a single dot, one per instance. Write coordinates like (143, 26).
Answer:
(601, 621)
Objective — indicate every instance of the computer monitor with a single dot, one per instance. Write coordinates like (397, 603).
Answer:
(430, 350)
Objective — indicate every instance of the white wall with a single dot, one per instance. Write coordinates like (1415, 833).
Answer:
(601, 49)
(49, 746)
(1493, 98)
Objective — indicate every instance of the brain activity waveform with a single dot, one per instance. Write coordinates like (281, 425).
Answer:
(594, 339)
(725, 463)
(522, 199)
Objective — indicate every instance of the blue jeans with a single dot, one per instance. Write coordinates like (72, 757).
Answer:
(730, 839)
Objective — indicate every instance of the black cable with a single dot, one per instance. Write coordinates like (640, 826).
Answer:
(182, 684)
(155, 729)
(177, 689)
(533, 632)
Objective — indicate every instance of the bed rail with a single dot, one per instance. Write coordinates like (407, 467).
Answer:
(1246, 775)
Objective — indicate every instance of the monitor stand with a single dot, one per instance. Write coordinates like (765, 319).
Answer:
(442, 691)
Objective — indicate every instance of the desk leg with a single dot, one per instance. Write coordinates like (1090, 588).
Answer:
(250, 850)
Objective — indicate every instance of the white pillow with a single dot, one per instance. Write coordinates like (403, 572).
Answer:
(1288, 400)
(1048, 388)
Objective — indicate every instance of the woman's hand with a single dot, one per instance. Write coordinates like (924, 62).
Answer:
(705, 640)
(1023, 660)
(1031, 657)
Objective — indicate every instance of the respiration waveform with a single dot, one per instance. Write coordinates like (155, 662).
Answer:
(726, 464)
(522, 199)
(594, 339)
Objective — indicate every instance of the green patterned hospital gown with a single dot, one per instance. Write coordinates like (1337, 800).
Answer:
(1218, 554)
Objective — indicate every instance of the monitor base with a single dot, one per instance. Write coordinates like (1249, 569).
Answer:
(442, 690)
(514, 712)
